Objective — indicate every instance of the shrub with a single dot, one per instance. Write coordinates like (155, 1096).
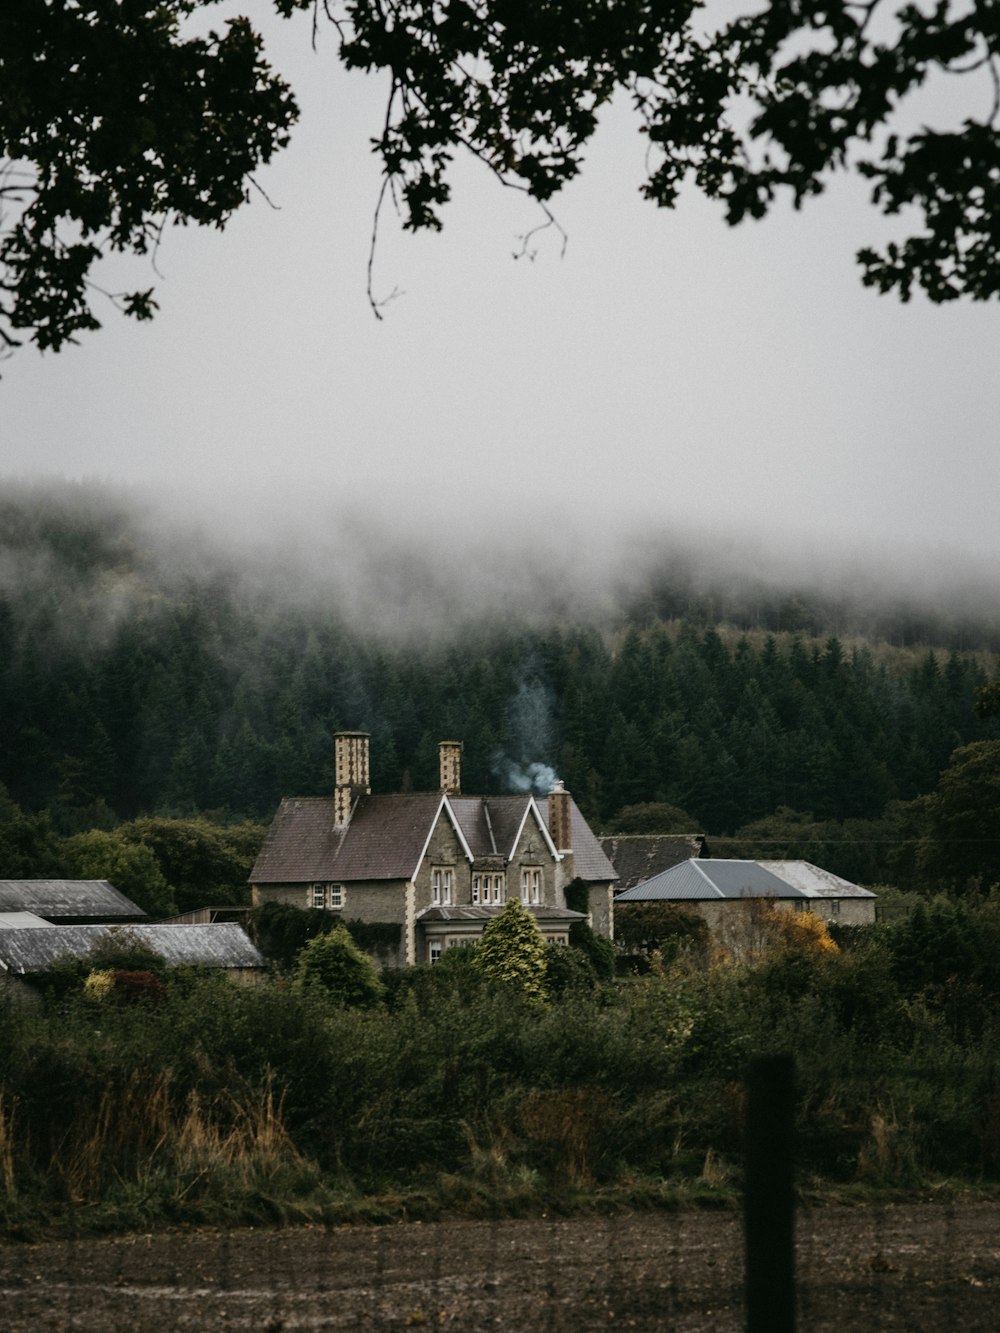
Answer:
(642, 928)
(567, 968)
(334, 962)
(599, 951)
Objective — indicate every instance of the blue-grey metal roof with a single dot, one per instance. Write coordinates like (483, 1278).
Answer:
(711, 880)
(226, 945)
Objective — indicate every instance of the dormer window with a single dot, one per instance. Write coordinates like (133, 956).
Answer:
(487, 889)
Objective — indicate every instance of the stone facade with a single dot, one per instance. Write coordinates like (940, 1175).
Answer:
(437, 864)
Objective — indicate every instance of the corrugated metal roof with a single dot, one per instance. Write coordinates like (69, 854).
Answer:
(814, 881)
(639, 856)
(224, 945)
(710, 880)
(61, 898)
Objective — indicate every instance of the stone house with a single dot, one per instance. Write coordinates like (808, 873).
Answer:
(438, 865)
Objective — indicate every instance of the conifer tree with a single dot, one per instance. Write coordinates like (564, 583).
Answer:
(512, 951)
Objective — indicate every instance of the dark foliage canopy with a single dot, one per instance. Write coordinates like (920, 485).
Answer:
(113, 121)
(756, 106)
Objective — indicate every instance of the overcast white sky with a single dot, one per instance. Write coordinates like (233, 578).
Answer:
(667, 372)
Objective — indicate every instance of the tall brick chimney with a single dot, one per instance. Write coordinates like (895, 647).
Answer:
(352, 781)
(450, 753)
(559, 817)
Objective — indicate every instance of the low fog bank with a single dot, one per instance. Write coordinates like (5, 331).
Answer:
(91, 550)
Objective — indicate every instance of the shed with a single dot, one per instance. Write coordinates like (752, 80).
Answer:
(226, 946)
(75, 902)
(709, 883)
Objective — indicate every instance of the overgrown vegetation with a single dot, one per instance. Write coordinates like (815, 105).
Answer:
(457, 1092)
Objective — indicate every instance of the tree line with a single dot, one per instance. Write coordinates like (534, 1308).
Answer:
(127, 693)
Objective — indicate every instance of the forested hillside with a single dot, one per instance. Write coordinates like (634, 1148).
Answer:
(130, 686)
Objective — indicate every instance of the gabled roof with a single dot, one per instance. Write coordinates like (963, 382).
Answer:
(474, 820)
(59, 899)
(388, 834)
(639, 856)
(708, 881)
(506, 815)
(712, 879)
(227, 945)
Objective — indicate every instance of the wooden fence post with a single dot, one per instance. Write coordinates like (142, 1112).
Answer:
(768, 1198)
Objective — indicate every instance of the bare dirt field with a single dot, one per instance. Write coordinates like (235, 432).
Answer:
(914, 1267)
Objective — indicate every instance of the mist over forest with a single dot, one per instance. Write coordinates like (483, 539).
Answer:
(158, 659)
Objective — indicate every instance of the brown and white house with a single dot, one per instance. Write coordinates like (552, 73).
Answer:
(438, 865)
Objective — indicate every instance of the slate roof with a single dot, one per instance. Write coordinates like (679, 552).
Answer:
(476, 824)
(639, 856)
(388, 834)
(34, 949)
(712, 879)
(301, 844)
(589, 861)
(66, 899)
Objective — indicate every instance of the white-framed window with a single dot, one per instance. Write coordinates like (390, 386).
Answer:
(434, 951)
(336, 896)
(317, 895)
(488, 889)
(442, 879)
(531, 885)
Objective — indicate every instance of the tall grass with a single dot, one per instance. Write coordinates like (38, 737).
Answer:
(236, 1104)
